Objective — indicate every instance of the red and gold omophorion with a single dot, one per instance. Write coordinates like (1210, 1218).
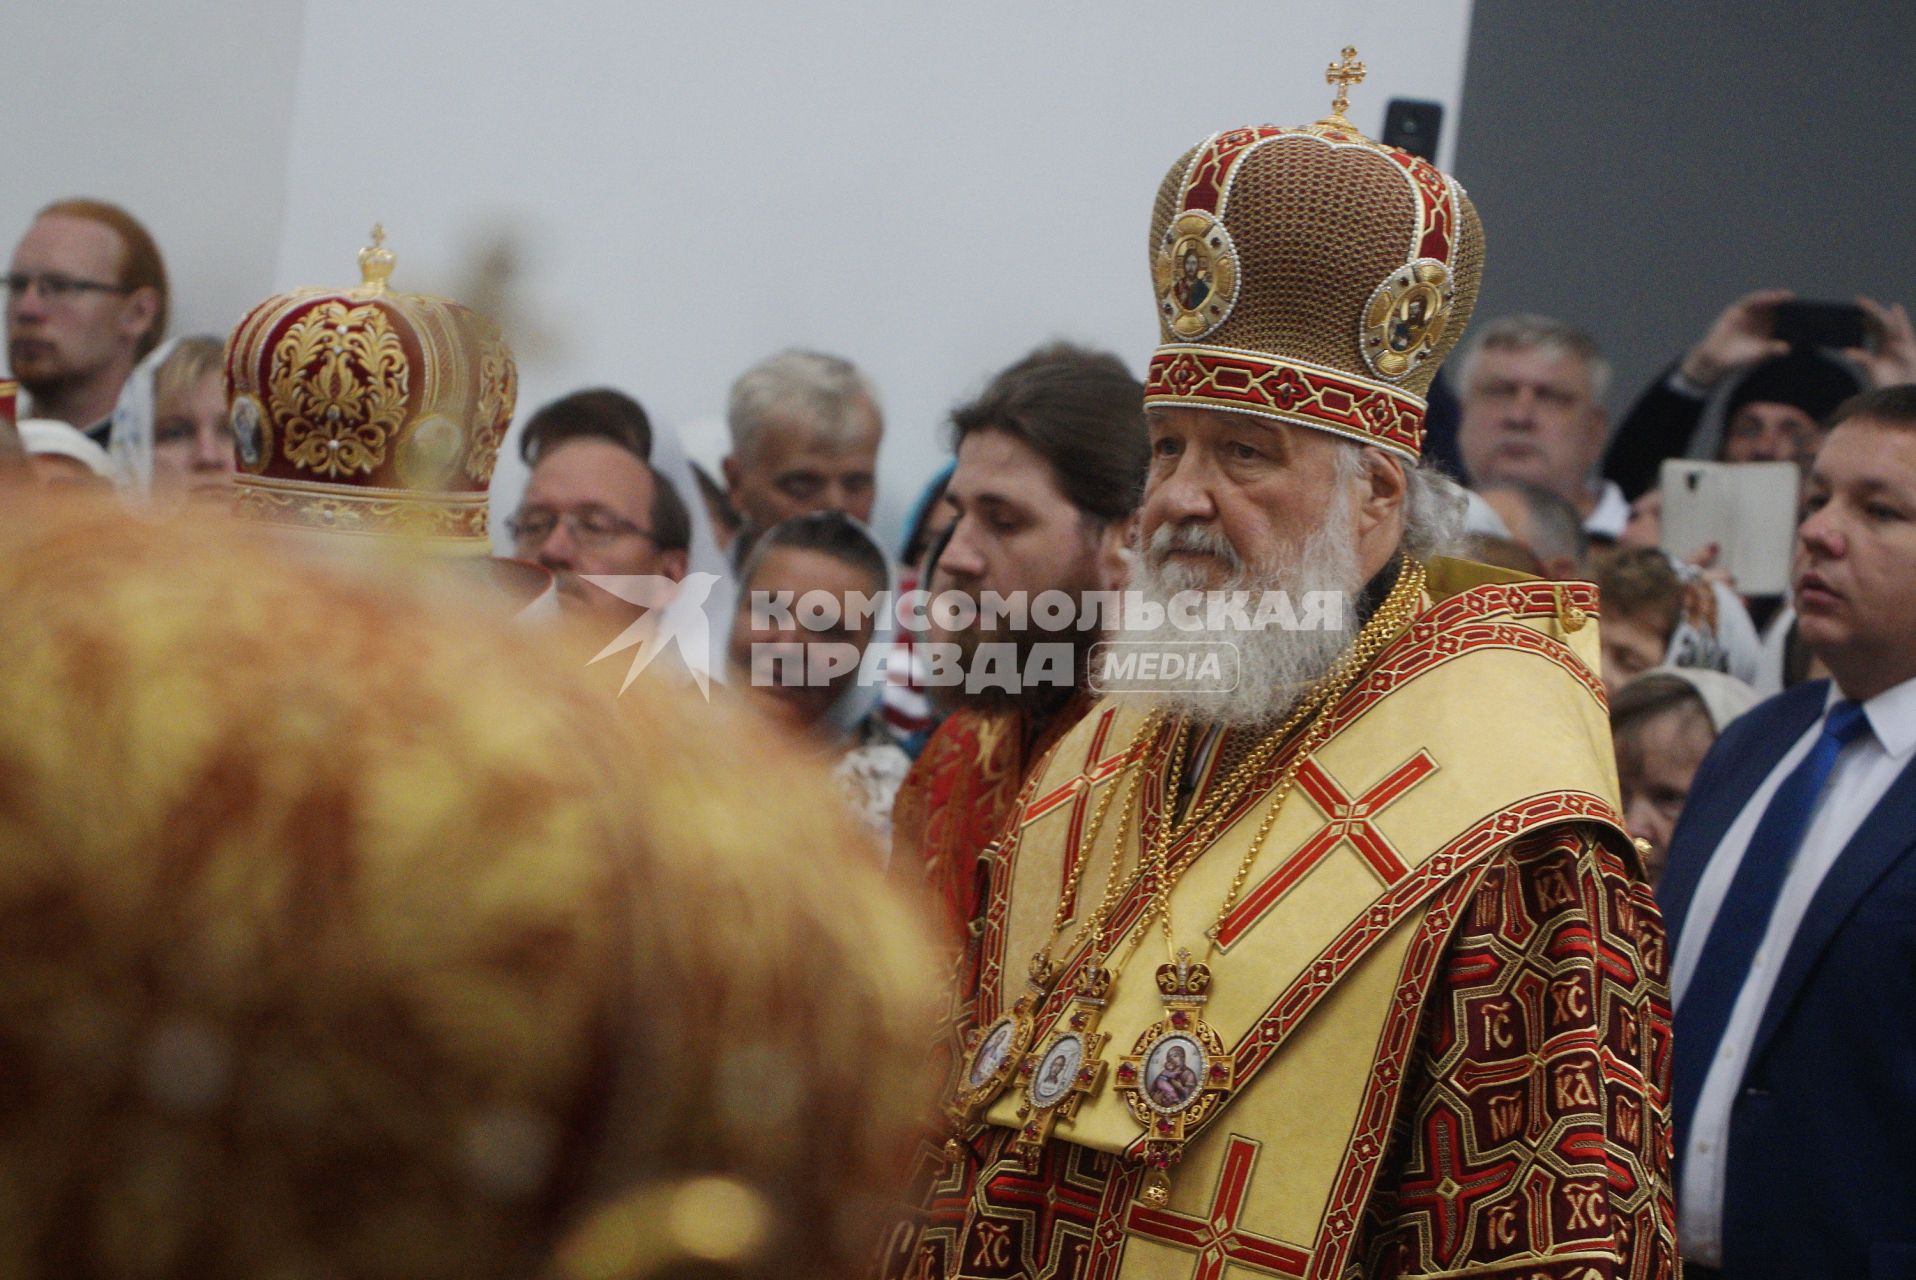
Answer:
(960, 796)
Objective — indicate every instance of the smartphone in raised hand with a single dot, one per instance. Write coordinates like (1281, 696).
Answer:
(1835, 326)
(1746, 509)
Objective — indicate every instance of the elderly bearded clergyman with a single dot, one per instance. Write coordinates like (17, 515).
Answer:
(1371, 886)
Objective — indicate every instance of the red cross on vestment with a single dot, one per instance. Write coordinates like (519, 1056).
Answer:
(1345, 820)
(1218, 1240)
(1446, 1187)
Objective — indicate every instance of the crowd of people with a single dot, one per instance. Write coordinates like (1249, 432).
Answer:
(379, 852)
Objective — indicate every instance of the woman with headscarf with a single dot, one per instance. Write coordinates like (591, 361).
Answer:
(1663, 723)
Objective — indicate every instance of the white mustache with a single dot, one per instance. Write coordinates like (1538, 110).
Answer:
(1201, 538)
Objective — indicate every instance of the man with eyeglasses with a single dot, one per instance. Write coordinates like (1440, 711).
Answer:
(86, 299)
(592, 506)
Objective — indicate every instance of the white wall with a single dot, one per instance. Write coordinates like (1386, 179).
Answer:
(178, 112)
(929, 190)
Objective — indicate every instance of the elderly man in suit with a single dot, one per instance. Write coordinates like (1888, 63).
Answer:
(1792, 896)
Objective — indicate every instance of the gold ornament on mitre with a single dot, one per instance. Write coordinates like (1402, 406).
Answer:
(369, 411)
(1311, 276)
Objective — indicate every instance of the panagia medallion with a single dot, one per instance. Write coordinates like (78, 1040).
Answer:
(1067, 1068)
(1177, 1074)
(992, 1053)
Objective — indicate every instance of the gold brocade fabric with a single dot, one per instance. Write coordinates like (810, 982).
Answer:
(347, 934)
(1443, 987)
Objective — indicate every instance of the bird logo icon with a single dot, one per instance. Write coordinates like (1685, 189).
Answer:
(674, 617)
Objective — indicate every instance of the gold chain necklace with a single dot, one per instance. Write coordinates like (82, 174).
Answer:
(1067, 1067)
(1179, 1071)
(994, 1051)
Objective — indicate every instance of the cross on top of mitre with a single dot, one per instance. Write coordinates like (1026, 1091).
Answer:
(1344, 74)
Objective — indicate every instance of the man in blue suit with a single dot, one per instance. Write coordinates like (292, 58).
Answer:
(1791, 895)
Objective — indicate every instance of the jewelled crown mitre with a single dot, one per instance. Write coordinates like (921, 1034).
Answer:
(368, 411)
(1311, 275)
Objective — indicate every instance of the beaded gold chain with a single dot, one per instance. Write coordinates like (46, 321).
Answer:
(1093, 926)
(1185, 983)
(992, 1052)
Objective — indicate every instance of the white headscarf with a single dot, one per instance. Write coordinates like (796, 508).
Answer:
(49, 438)
(1723, 696)
(130, 442)
(670, 461)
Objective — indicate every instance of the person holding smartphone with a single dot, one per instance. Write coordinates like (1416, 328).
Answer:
(1784, 389)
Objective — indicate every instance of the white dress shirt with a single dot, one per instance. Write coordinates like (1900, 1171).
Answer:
(1862, 775)
(1612, 512)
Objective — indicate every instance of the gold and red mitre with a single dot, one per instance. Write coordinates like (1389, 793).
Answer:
(368, 411)
(1312, 276)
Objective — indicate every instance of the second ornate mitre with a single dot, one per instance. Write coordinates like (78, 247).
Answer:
(1313, 276)
(366, 411)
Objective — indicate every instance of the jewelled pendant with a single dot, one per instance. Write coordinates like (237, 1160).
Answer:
(1068, 1067)
(992, 1053)
(1177, 1074)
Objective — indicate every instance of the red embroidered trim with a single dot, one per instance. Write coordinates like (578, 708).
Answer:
(1364, 1153)
(1437, 208)
(1470, 849)
(1216, 1238)
(1346, 818)
(1425, 645)
(1208, 180)
(998, 890)
(1253, 382)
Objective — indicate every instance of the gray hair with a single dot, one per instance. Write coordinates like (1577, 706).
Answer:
(824, 392)
(1526, 332)
(1434, 504)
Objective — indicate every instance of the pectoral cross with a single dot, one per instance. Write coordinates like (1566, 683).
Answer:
(1344, 74)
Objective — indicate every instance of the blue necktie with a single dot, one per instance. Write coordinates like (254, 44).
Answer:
(1744, 916)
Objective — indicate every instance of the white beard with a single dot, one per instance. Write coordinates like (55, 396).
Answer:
(1275, 666)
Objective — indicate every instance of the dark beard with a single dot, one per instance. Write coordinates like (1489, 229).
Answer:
(1037, 701)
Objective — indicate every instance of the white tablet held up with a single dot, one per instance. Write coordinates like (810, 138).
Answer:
(1747, 508)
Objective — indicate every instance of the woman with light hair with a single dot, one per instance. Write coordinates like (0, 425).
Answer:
(171, 439)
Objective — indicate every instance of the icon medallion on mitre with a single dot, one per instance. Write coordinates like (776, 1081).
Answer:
(1196, 274)
(1406, 318)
